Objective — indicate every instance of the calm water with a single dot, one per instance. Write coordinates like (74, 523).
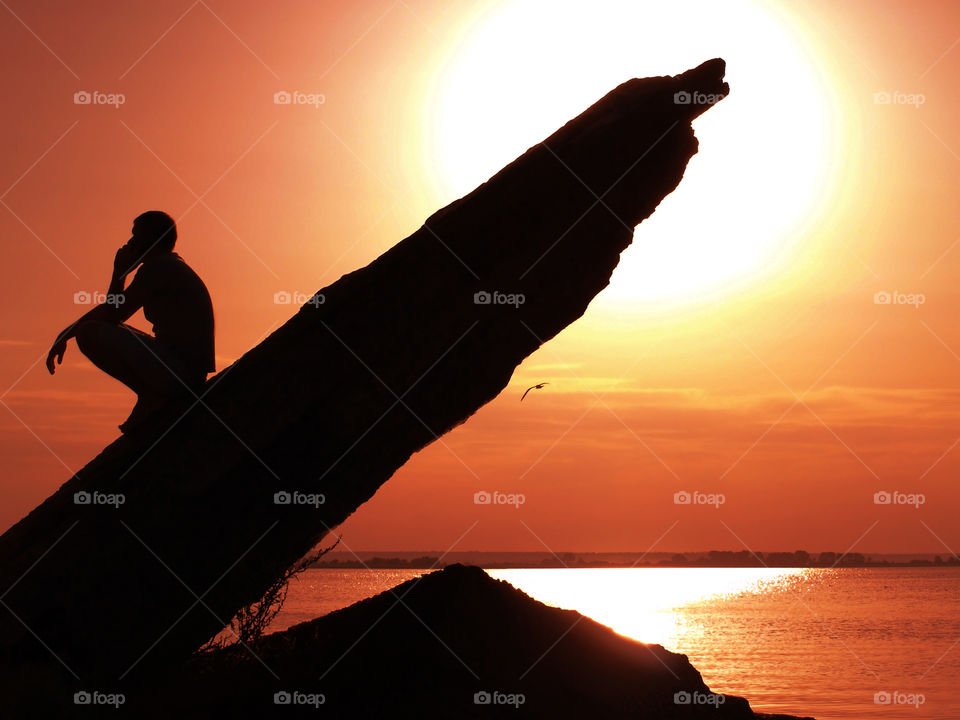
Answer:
(826, 643)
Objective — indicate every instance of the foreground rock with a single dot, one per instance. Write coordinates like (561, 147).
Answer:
(334, 402)
(441, 646)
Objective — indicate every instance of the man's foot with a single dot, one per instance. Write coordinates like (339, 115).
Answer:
(146, 406)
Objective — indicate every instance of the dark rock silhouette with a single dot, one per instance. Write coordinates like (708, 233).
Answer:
(426, 648)
(396, 354)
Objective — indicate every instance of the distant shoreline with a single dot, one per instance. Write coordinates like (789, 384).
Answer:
(398, 560)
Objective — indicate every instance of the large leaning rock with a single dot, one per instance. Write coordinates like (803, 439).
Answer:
(336, 400)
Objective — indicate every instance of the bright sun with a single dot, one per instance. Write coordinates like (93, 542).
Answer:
(525, 67)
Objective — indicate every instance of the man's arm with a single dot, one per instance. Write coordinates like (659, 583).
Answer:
(120, 304)
(124, 263)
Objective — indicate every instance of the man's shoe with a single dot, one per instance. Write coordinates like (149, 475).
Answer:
(146, 407)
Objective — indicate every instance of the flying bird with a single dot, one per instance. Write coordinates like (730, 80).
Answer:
(535, 387)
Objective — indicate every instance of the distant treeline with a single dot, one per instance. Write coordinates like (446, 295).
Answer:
(713, 558)
(395, 563)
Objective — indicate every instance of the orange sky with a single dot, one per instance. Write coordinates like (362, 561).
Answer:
(647, 397)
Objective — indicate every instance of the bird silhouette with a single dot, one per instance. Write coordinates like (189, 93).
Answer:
(535, 387)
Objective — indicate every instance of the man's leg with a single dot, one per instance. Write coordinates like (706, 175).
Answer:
(127, 354)
(132, 357)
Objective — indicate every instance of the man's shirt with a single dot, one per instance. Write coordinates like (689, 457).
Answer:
(176, 301)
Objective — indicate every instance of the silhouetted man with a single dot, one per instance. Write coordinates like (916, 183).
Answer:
(175, 360)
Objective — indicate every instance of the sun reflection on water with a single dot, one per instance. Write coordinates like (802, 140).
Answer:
(647, 603)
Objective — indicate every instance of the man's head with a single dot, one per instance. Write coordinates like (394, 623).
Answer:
(154, 232)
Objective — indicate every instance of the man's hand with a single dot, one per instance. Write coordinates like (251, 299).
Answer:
(57, 351)
(124, 262)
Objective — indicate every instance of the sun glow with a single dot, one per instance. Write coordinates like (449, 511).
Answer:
(645, 604)
(525, 67)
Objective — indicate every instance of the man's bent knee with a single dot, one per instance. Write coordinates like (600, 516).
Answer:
(90, 337)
